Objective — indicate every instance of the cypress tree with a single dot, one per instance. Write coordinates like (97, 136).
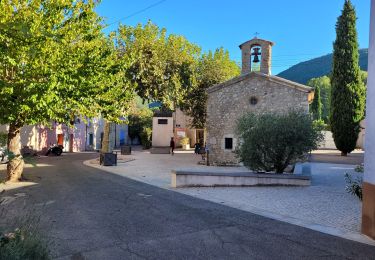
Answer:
(316, 106)
(348, 91)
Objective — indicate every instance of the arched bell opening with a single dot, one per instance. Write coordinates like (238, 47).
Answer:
(256, 57)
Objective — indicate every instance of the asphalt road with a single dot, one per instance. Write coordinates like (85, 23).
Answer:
(89, 214)
(334, 156)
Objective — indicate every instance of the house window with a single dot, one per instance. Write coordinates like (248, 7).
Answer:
(162, 121)
(228, 143)
(91, 139)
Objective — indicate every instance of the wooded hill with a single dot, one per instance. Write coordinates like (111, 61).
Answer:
(304, 71)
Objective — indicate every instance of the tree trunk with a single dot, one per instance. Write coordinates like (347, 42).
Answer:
(106, 137)
(344, 154)
(15, 164)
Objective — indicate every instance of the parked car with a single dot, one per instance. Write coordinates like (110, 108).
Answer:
(55, 149)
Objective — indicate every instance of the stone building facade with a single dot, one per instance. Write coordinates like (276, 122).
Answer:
(266, 53)
(253, 91)
(76, 138)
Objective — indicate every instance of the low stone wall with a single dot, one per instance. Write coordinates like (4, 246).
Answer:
(210, 178)
(329, 143)
(160, 150)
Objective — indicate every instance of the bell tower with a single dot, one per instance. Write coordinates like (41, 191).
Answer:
(256, 56)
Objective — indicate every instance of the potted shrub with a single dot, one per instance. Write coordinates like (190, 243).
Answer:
(185, 142)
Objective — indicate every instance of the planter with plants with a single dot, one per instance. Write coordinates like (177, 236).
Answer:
(185, 142)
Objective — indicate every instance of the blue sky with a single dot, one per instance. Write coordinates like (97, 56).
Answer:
(300, 29)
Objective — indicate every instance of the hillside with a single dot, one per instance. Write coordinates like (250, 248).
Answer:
(317, 67)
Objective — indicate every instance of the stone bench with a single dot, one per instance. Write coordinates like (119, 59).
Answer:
(211, 178)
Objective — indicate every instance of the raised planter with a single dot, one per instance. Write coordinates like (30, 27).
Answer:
(126, 150)
(108, 159)
(210, 178)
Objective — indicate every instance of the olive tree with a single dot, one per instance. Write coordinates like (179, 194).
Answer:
(271, 142)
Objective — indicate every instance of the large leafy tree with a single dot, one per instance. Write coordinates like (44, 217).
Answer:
(53, 66)
(114, 92)
(181, 60)
(162, 67)
(140, 122)
(348, 91)
(324, 85)
(213, 68)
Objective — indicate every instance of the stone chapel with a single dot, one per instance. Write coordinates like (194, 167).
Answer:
(255, 90)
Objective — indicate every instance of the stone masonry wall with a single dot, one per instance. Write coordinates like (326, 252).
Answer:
(227, 104)
(266, 50)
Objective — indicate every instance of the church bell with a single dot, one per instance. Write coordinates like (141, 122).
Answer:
(256, 54)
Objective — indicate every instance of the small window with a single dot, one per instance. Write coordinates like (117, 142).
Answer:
(163, 121)
(253, 101)
(228, 143)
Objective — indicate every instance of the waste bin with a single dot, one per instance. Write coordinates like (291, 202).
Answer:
(108, 159)
(126, 150)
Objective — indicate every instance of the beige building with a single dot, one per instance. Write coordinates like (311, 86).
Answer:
(174, 124)
(255, 90)
(162, 129)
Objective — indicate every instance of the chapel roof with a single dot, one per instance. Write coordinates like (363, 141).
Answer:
(256, 39)
(281, 81)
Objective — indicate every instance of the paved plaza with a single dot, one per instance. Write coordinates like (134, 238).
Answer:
(324, 206)
(87, 213)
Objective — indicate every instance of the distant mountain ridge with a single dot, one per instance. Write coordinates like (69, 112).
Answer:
(304, 71)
